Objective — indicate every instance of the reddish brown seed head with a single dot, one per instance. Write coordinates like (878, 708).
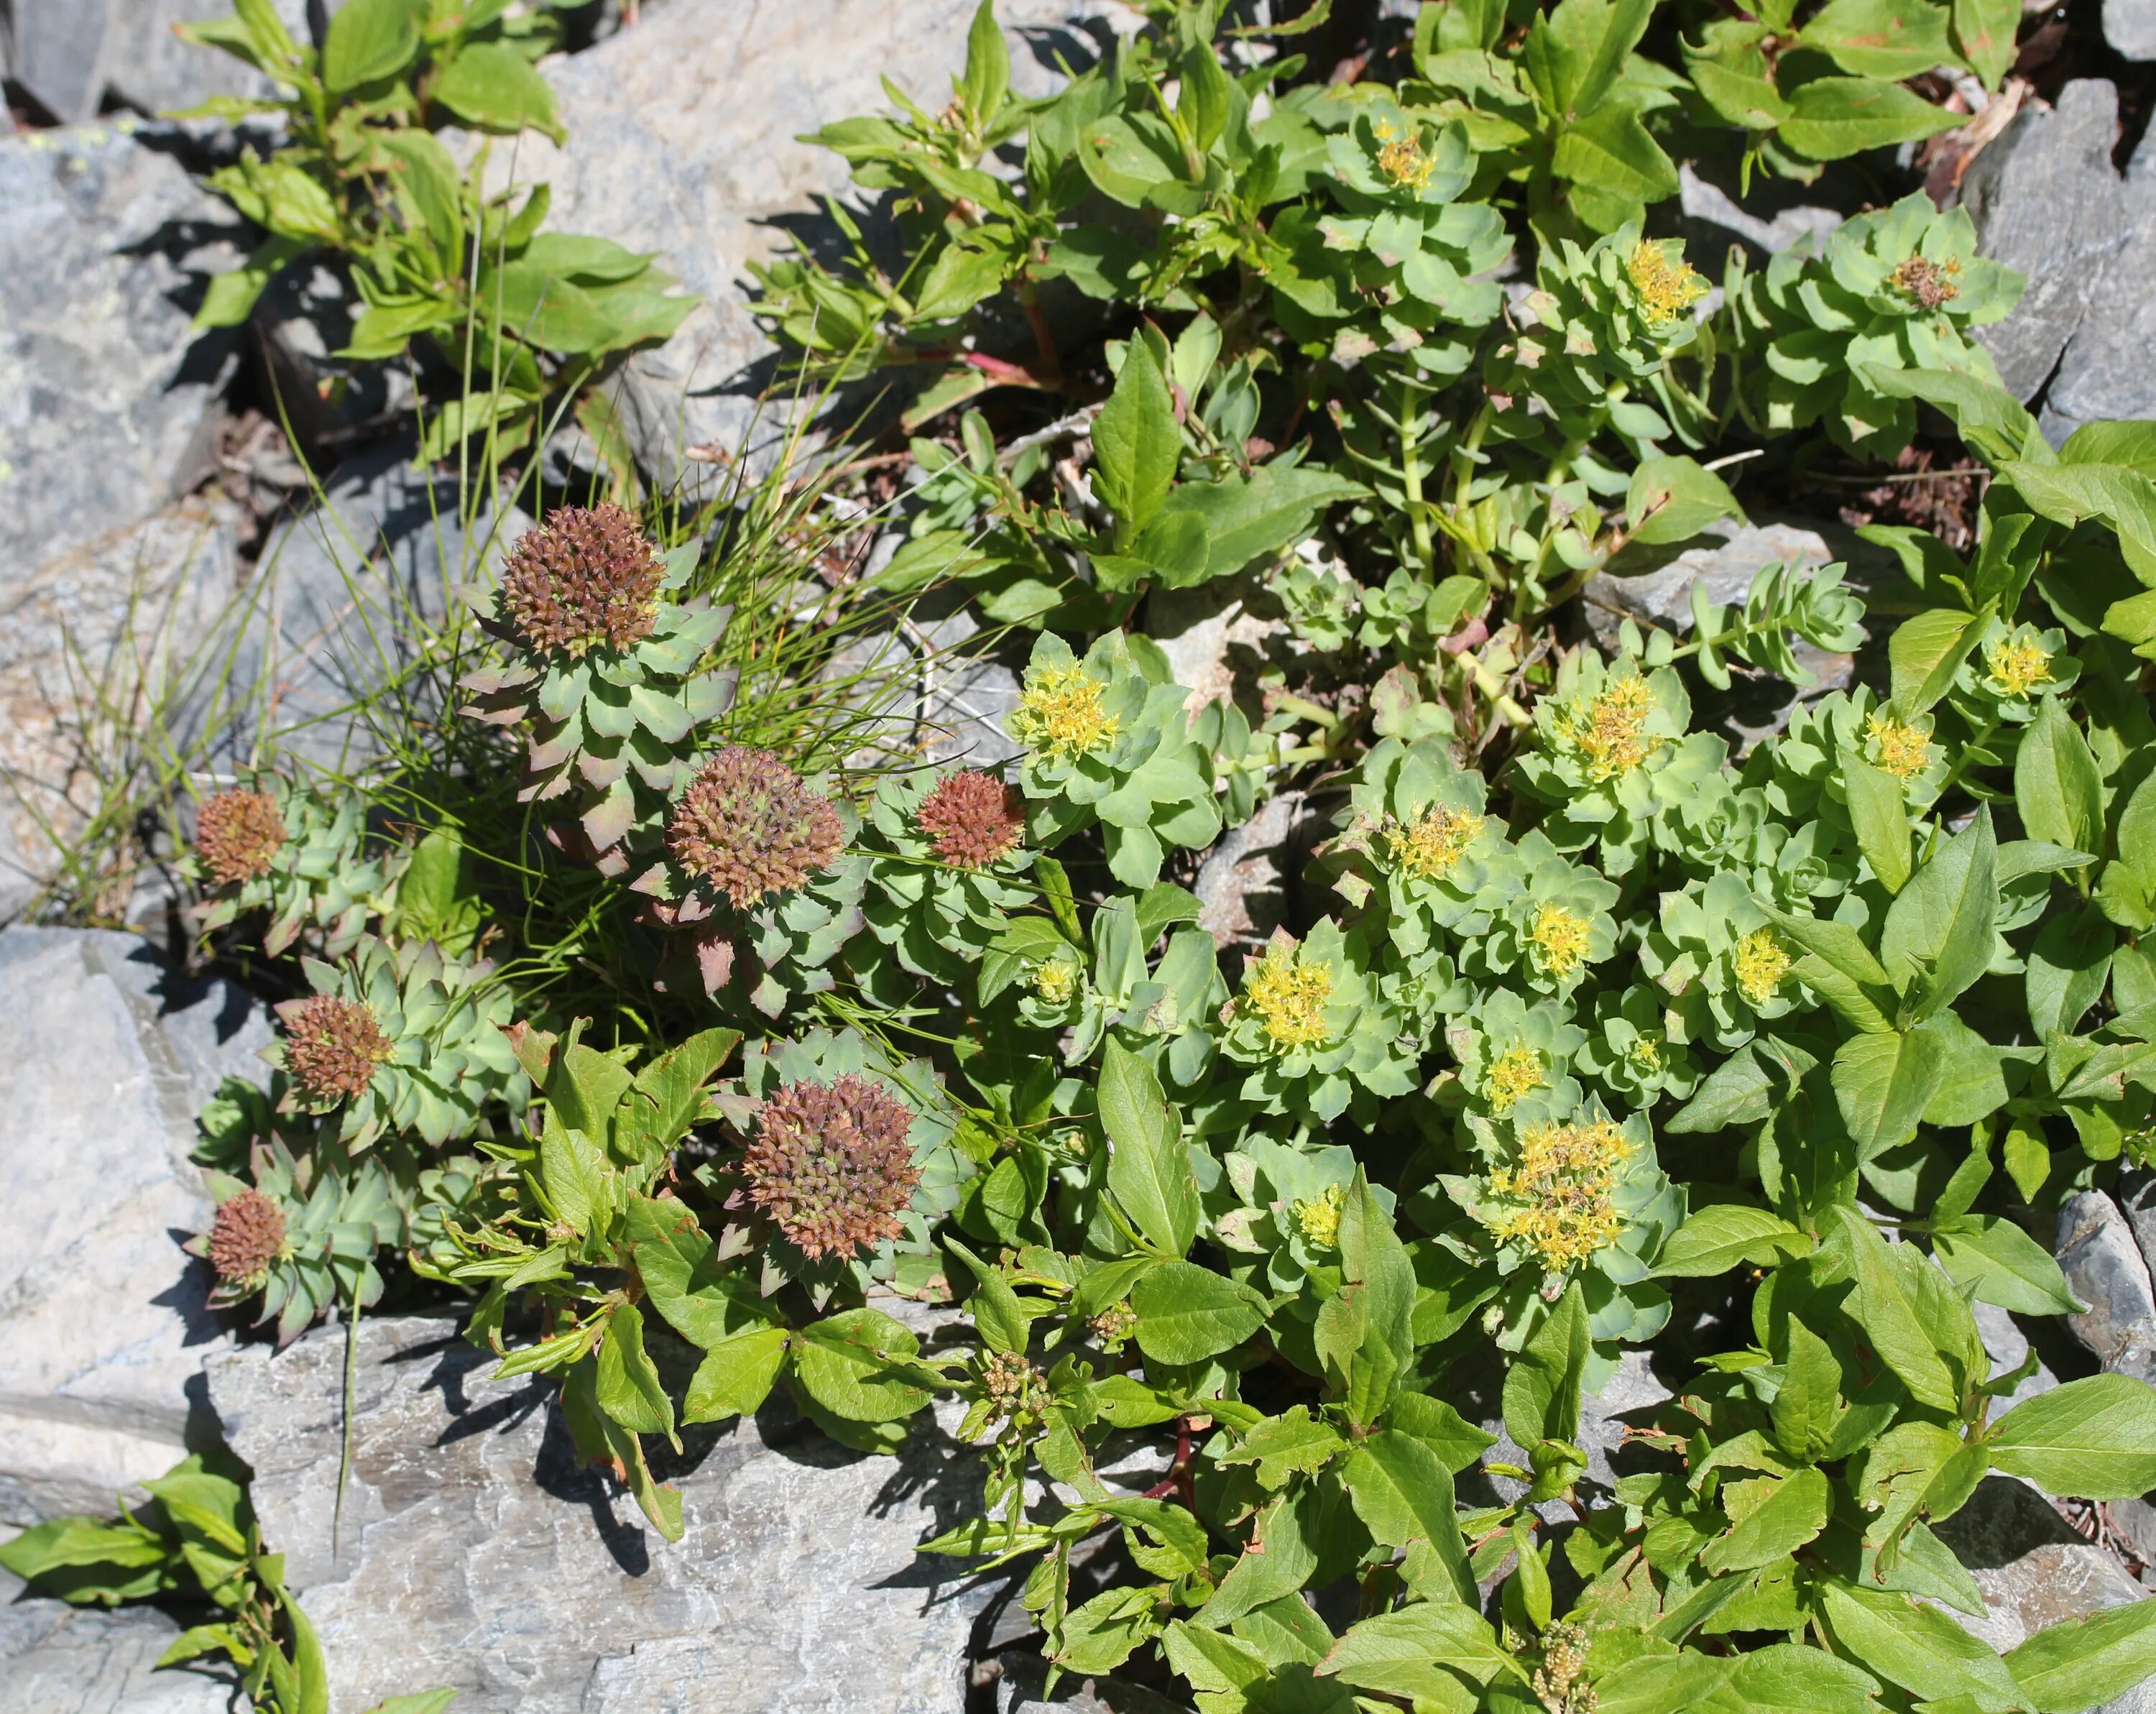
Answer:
(247, 1235)
(973, 816)
(831, 1166)
(239, 834)
(587, 578)
(748, 825)
(331, 1047)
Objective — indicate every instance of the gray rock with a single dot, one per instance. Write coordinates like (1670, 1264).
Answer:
(1634, 1386)
(2108, 371)
(109, 1060)
(72, 53)
(105, 395)
(2046, 202)
(2105, 1269)
(63, 1660)
(2008, 1347)
(345, 604)
(1211, 639)
(474, 1554)
(1019, 1690)
(966, 698)
(1711, 214)
(303, 316)
(2033, 1571)
(1663, 597)
(658, 162)
(1243, 885)
(98, 645)
(2130, 27)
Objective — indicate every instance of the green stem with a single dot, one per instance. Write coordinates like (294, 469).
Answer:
(1411, 474)
(351, 1389)
(1977, 741)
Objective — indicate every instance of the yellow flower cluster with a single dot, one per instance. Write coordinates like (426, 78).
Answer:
(1431, 847)
(1290, 998)
(1611, 729)
(1564, 1182)
(2018, 668)
(1668, 286)
(1056, 981)
(1516, 1071)
(1402, 159)
(1561, 937)
(1319, 1217)
(1904, 752)
(1761, 962)
(1060, 711)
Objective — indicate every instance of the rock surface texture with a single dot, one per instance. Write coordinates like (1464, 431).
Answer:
(334, 614)
(105, 395)
(683, 133)
(55, 1659)
(2034, 1572)
(107, 1063)
(71, 54)
(475, 1554)
(2046, 200)
(2106, 1269)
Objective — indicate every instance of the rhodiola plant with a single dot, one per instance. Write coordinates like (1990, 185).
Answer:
(1309, 1059)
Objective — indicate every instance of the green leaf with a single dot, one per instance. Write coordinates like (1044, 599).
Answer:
(1808, 1404)
(1278, 1561)
(987, 80)
(1784, 1678)
(1832, 117)
(1884, 1308)
(958, 279)
(1136, 444)
(1670, 499)
(2118, 495)
(1212, 529)
(846, 1361)
(421, 1702)
(1883, 1082)
(2094, 1438)
(1938, 936)
(1838, 943)
(1924, 654)
(1727, 1234)
(2056, 787)
(492, 87)
(1281, 1447)
(1403, 1493)
(1187, 1313)
(2002, 1264)
(1542, 1386)
(1611, 151)
(1149, 1171)
(1991, 419)
(1984, 31)
(1431, 1652)
(1793, 1512)
(736, 1376)
(629, 1389)
(998, 1318)
(369, 40)
(2127, 889)
(2068, 1667)
(1366, 1331)
(1917, 1648)
(1883, 39)
(1878, 811)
